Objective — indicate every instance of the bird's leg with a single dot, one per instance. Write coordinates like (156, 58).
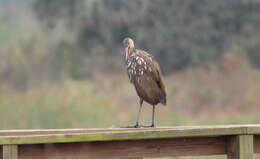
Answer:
(139, 113)
(138, 117)
(152, 125)
(153, 116)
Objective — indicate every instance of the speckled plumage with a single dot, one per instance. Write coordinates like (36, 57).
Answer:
(145, 74)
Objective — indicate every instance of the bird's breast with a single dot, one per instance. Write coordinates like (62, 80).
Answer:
(138, 68)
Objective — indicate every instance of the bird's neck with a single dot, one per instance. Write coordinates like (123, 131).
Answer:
(128, 52)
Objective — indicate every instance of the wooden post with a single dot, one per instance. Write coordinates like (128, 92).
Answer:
(10, 152)
(240, 147)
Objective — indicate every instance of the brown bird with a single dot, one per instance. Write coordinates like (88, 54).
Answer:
(145, 74)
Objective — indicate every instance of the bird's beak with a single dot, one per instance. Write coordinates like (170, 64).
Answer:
(126, 53)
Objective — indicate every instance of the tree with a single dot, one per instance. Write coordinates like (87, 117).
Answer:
(179, 33)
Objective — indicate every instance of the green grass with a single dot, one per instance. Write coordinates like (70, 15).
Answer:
(113, 103)
(224, 93)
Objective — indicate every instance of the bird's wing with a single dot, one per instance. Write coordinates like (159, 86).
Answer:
(155, 68)
(155, 72)
(158, 75)
(158, 78)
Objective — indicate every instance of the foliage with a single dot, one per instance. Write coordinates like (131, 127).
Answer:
(51, 40)
(179, 33)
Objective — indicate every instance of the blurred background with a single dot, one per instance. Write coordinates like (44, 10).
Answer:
(61, 63)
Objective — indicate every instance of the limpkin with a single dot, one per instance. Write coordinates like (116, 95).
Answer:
(145, 74)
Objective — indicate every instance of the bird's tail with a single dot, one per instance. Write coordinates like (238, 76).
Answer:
(163, 101)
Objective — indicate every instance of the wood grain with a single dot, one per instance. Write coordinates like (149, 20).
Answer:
(231, 128)
(38, 137)
(240, 147)
(234, 140)
(68, 131)
(1, 152)
(10, 152)
(257, 143)
(126, 149)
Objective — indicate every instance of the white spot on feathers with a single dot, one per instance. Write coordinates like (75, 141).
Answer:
(139, 62)
(131, 71)
(138, 80)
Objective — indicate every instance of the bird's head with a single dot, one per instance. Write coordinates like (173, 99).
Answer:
(128, 44)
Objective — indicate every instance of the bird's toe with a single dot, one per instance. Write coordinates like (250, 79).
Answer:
(147, 126)
(137, 125)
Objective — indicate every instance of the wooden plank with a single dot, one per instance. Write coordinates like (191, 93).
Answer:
(67, 131)
(232, 147)
(253, 129)
(1, 151)
(240, 147)
(212, 129)
(129, 134)
(257, 144)
(127, 149)
(249, 129)
(10, 152)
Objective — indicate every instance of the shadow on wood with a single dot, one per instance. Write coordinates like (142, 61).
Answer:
(128, 149)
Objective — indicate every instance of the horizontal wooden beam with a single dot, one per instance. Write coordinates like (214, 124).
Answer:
(247, 128)
(68, 131)
(127, 149)
(90, 135)
(236, 141)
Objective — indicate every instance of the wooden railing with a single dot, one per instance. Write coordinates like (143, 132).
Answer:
(236, 142)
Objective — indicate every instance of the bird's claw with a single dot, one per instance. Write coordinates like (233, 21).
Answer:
(139, 126)
(147, 126)
(132, 126)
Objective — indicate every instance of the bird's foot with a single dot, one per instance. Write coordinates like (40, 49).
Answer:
(137, 125)
(133, 126)
(147, 126)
